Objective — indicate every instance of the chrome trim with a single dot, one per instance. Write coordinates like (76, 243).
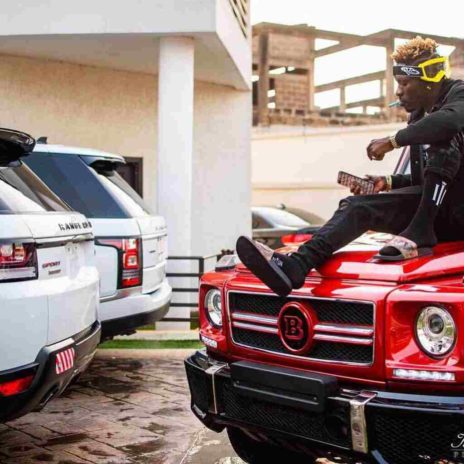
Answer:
(213, 370)
(353, 330)
(302, 358)
(255, 328)
(340, 339)
(69, 238)
(122, 293)
(358, 421)
(241, 316)
(160, 234)
(82, 238)
(50, 242)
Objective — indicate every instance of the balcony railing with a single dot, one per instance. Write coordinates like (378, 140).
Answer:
(240, 9)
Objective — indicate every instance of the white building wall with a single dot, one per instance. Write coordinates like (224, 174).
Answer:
(299, 167)
(82, 106)
(116, 111)
(43, 17)
(222, 167)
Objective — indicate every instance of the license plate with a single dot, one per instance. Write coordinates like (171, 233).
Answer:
(285, 386)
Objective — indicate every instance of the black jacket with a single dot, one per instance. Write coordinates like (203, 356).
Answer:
(444, 124)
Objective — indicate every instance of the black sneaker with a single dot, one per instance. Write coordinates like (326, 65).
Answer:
(265, 264)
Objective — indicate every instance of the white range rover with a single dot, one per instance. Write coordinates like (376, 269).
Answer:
(49, 290)
(131, 242)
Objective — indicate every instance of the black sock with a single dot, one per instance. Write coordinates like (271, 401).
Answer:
(292, 268)
(421, 228)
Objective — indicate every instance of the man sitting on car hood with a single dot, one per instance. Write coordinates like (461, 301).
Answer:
(420, 209)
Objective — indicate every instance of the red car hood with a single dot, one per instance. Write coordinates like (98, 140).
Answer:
(356, 261)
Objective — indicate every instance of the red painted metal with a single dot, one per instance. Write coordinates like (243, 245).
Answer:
(397, 290)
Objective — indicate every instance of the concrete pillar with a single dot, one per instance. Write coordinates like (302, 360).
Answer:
(263, 83)
(175, 161)
(389, 79)
(310, 67)
(175, 139)
(342, 99)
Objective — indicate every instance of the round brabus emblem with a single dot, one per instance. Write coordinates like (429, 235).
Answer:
(295, 328)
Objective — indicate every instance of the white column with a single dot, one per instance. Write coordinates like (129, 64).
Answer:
(175, 155)
(175, 139)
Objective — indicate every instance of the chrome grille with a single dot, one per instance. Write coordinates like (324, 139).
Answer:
(344, 331)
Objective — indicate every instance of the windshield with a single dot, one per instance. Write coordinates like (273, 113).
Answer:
(281, 218)
(21, 191)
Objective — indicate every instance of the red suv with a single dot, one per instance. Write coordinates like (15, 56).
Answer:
(364, 363)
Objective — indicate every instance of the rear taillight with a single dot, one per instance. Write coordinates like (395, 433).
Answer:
(18, 261)
(131, 263)
(14, 387)
(130, 260)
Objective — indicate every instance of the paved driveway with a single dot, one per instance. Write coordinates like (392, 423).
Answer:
(132, 406)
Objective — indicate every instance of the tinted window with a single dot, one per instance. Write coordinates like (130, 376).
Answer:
(278, 217)
(21, 191)
(125, 194)
(258, 222)
(79, 185)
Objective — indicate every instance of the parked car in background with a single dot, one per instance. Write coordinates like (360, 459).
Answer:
(311, 218)
(131, 242)
(270, 224)
(48, 286)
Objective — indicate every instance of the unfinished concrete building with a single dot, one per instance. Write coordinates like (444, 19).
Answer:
(284, 60)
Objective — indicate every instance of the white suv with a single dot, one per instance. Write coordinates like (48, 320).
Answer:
(131, 242)
(48, 286)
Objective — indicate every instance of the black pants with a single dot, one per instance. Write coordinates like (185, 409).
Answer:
(386, 212)
(444, 159)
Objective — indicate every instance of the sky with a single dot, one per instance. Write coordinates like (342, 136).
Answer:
(361, 17)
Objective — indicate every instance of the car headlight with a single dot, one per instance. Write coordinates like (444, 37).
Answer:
(213, 305)
(435, 330)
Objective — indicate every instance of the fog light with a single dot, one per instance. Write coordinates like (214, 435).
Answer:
(209, 342)
(412, 374)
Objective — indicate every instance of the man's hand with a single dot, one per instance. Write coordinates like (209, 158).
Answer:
(380, 185)
(378, 147)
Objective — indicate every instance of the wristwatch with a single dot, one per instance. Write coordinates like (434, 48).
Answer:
(393, 141)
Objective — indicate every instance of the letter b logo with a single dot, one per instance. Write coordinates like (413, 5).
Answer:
(293, 328)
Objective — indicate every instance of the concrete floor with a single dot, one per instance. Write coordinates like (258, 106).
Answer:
(131, 406)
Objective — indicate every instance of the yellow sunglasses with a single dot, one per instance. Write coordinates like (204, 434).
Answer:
(433, 70)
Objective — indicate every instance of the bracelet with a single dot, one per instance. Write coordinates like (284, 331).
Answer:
(393, 141)
(389, 182)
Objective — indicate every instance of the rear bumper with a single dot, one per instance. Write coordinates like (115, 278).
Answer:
(123, 315)
(47, 383)
(367, 426)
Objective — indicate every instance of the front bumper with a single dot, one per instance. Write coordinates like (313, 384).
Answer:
(47, 383)
(124, 314)
(366, 426)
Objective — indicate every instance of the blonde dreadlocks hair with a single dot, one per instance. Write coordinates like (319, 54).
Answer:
(415, 50)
